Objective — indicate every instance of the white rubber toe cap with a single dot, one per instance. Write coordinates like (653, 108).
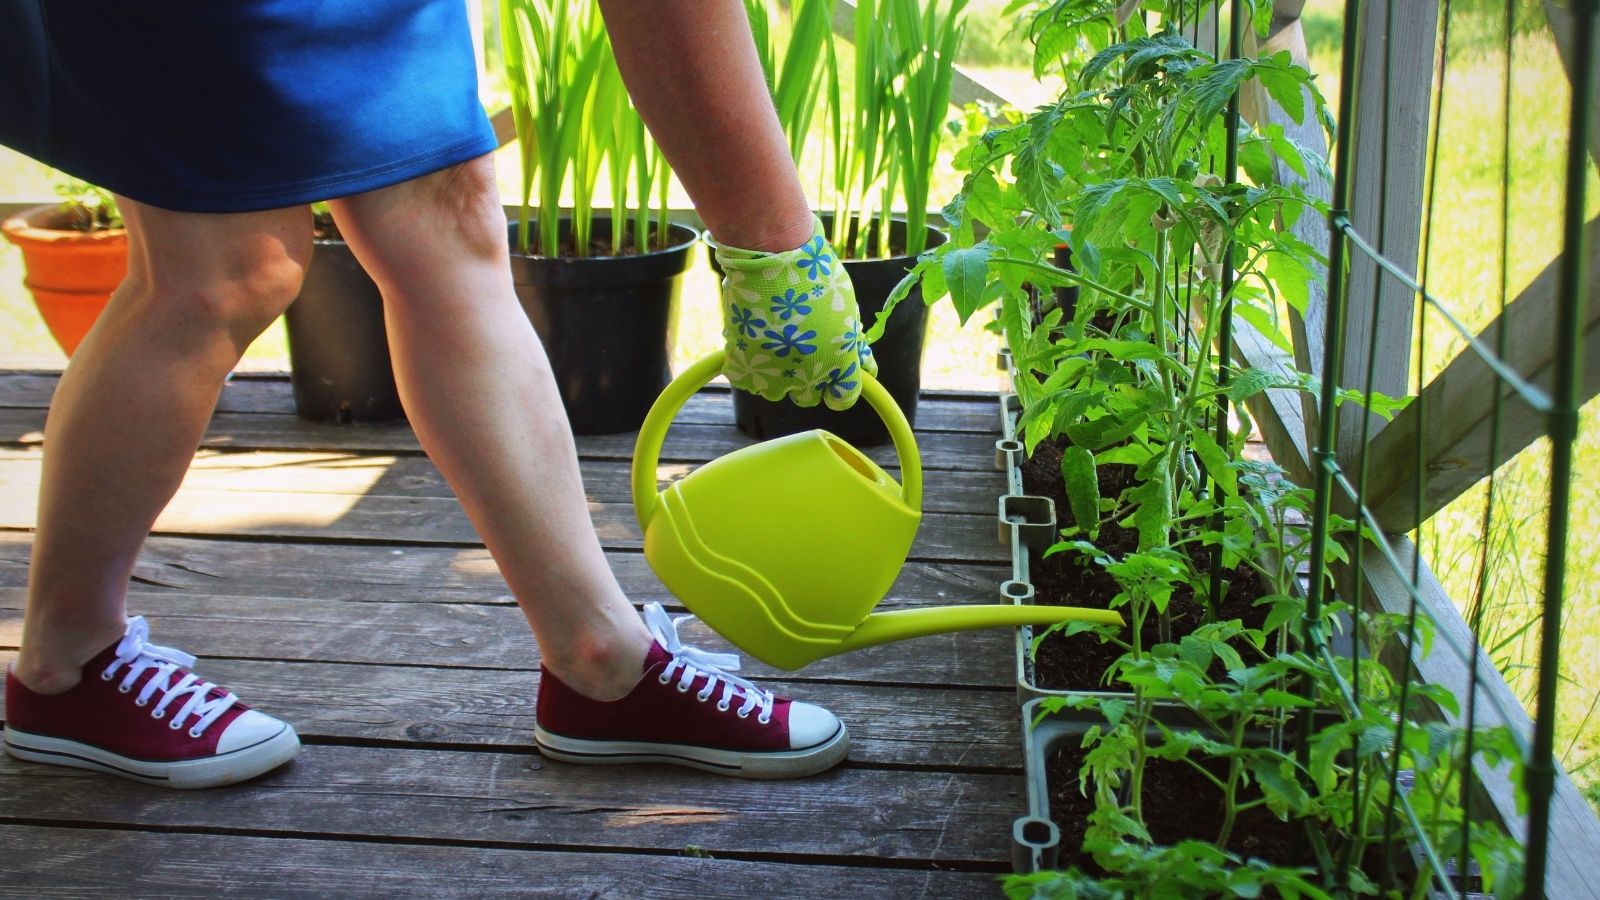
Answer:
(249, 729)
(810, 725)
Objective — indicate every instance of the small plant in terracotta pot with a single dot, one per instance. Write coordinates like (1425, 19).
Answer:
(75, 253)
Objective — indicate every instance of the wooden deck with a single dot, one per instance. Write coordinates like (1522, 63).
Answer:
(329, 576)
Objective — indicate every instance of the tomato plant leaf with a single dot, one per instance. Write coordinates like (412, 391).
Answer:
(966, 271)
(1215, 459)
(1083, 488)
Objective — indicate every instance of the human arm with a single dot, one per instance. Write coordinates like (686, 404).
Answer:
(790, 320)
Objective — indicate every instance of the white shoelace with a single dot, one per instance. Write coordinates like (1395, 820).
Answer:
(717, 667)
(140, 656)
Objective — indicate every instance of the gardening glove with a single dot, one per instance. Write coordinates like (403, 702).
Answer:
(791, 324)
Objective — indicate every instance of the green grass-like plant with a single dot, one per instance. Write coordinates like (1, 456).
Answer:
(573, 117)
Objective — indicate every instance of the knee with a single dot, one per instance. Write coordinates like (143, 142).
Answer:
(237, 293)
(466, 199)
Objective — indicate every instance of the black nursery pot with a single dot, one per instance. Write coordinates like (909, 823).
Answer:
(899, 355)
(606, 323)
(338, 348)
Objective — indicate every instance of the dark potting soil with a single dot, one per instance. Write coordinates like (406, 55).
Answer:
(1179, 804)
(1078, 662)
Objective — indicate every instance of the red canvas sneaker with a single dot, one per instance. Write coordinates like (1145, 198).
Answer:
(689, 709)
(140, 713)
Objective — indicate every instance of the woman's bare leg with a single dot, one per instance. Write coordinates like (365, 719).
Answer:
(480, 394)
(133, 406)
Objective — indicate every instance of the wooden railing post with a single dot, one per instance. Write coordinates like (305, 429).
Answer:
(1395, 80)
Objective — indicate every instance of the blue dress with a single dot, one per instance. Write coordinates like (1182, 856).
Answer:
(239, 105)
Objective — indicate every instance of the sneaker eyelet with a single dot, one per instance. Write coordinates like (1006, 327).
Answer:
(664, 679)
(158, 714)
(106, 676)
(683, 688)
(194, 734)
(742, 714)
(702, 697)
(175, 724)
(764, 720)
(722, 707)
(140, 701)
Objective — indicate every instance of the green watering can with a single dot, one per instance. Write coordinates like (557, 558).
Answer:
(784, 547)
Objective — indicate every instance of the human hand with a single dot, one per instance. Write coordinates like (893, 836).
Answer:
(791, 324)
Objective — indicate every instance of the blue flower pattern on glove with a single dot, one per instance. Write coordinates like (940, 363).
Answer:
(791, 327)
(788, 341)
(838, 383)
(791, 304)
(852, 340)
(744, 320)
(815, 258)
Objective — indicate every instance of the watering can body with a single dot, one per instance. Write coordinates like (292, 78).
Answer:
(786, 546)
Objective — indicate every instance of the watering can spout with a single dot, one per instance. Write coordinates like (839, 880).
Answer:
(898, 625)
(786, 546)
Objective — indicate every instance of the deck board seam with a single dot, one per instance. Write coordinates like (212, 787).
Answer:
(803, 859)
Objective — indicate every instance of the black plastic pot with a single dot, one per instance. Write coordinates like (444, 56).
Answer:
(899, 355)
(607, 324)
(338, 348)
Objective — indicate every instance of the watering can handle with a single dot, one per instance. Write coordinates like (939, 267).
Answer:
(647, 452)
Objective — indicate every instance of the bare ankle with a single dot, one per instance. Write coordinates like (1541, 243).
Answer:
(604, 668)
(54, 667)
(44, 678)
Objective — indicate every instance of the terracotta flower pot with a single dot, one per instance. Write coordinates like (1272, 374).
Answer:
(71, 273)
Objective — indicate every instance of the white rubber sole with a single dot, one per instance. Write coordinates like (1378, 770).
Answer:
(211, 771)
(764, 765)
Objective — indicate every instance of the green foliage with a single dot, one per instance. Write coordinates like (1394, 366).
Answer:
(571, 114)
(1119, 169)
(91, 208)
(887, 128)
(793, 81)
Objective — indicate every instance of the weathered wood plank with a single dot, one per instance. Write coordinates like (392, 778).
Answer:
(456, 708)
(1389, 160)
(1457, 405)
(1288, 10)
(476, 636)
(1278, 413)
(1574, 830)
(77, 862)
(713, 405)
(330, 572)
(362, 474)
(423, 520)
(940, 450)
(519, 798)
(1201, 31)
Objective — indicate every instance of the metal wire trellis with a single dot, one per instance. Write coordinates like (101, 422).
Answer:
(1349, 247)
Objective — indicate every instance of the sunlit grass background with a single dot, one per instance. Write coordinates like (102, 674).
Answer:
(1463, 266)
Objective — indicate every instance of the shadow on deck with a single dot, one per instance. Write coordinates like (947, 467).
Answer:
(329, 576)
